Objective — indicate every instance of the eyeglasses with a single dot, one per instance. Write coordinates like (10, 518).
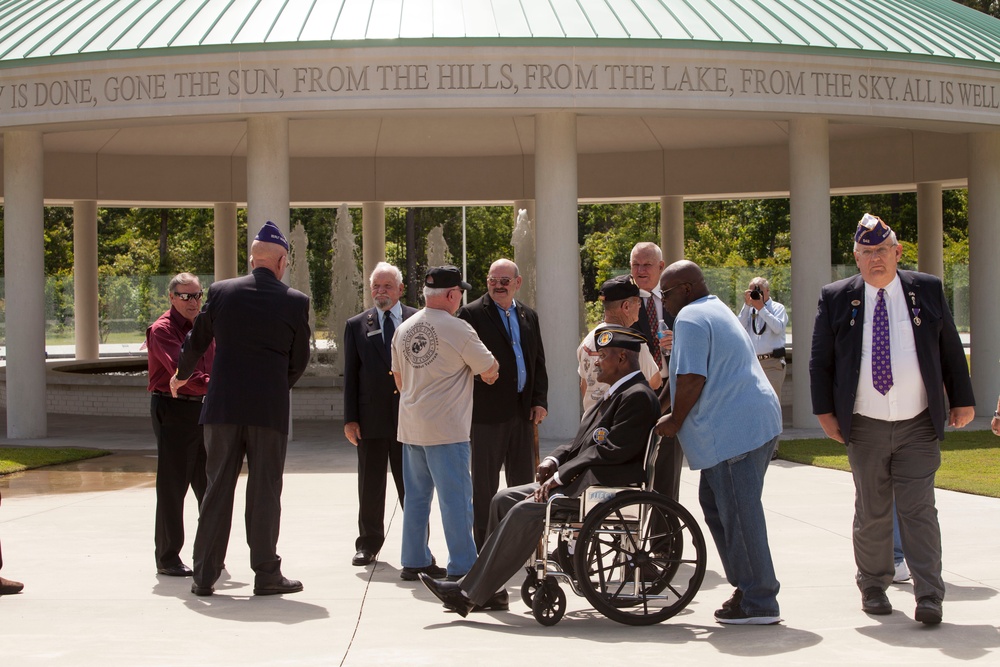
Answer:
(668, 291)
(502, 281)
(881, 252)
(185, 296)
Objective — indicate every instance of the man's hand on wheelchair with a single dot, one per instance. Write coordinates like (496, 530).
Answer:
(667, 426)
(545, 470)
(541, 494)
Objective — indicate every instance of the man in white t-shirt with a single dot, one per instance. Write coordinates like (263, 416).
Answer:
(620, 297)
(435, 358)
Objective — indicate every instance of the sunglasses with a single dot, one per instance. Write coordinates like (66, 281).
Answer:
(502, 281)
(184, 296)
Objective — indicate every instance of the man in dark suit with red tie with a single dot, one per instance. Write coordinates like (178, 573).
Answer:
(607, 451)
(503, 414)
(371, 405)
(261, 329)
(646, 264)
(885, 352)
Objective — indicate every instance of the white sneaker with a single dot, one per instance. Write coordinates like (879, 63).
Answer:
(902, 573)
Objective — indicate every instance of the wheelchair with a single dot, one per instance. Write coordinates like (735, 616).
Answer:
(636, 555)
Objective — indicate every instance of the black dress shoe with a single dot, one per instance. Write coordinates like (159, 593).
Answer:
(9, 587)
(450, 593)
(279, 588)
(874, 601)
(202, 590)
(363, 557)
(179, 570)
(499, 602)
(928, 610)
(413, 573)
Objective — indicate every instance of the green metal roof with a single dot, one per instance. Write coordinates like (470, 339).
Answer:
(89, 29)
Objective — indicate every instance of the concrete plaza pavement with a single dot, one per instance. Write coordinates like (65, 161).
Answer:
(80, 537)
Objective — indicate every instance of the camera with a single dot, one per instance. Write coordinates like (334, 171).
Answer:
(755, 294)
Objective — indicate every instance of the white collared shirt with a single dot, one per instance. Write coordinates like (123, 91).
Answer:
(907, 398)
(657, 303)
(770, 321)
(396, 313)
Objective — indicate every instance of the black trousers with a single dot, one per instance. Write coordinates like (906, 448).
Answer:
(508, 445)
(180, 463)
(264, 449)
(374, 454)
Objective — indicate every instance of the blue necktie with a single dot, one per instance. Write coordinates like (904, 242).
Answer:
(881, 361)
(388, 328)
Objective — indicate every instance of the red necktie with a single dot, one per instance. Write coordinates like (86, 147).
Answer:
(654, 344)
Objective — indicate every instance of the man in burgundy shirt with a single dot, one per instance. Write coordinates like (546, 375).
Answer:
(180, 446)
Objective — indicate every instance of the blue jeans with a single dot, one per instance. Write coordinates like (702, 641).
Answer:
(445, 468)
(730, 495)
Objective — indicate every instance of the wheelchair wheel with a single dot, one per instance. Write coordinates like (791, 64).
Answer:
(549, 603)
(528, 588)
(640, 558)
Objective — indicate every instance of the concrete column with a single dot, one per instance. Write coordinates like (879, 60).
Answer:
(267, 184)
(672, 228)
(809, 185)
(267, 175)
(85, 309)
(984, 269)
(226, 242)
(372, 243)
(559, 275)
(24, 261)
(930, 229)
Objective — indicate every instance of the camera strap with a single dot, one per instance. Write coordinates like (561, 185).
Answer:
(753, 323)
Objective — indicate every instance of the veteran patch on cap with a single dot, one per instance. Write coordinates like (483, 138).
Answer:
(270, 233)
(616, 336)
(443, 277)
(618, 288)
(871, 230)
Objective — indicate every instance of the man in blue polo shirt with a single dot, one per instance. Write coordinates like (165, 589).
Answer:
(727, 418)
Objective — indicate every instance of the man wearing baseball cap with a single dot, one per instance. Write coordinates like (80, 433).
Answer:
(607, 451)
(435, 358)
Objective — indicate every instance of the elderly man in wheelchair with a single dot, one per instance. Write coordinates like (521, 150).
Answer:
(625, 553)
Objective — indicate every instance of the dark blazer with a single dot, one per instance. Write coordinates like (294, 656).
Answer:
(370, 395)
(835, 362)
(493, 403)
(618, 458)
(261, 329)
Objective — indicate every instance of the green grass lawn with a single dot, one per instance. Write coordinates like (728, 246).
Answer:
(16, 459)
(970, 460)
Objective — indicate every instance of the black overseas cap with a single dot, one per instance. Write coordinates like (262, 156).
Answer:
(618, 288)
(443, 277)
(617, 336)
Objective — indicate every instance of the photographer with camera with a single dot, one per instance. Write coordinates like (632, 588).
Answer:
(765, 320)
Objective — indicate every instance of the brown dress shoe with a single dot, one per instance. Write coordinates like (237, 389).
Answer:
(9, 587)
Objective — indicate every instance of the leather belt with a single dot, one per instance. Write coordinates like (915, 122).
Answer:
(764, 356)
(180, 397)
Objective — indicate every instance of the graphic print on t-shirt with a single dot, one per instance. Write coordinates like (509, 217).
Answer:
(420, 345)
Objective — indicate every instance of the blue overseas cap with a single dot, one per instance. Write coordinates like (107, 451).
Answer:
(270, 233)
(871, 230)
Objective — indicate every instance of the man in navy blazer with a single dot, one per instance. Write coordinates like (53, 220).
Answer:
(261, 330)
(371, 405)
(503, 413)
(608, 450)
(885, 355)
